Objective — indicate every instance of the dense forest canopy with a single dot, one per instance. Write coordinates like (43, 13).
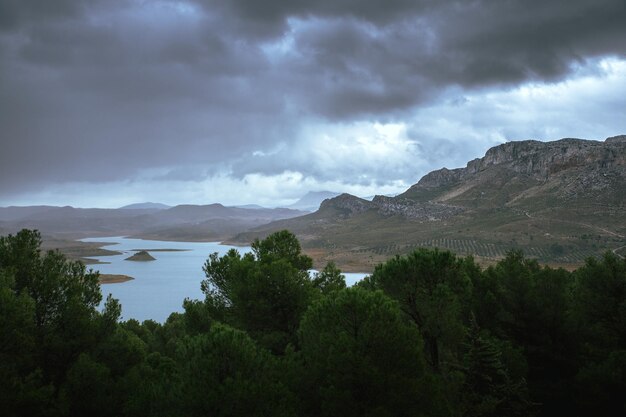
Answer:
(427, 334)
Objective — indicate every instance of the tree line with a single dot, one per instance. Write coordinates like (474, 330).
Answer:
(427, 334)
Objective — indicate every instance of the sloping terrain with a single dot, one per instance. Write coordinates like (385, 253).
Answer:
(559, 202)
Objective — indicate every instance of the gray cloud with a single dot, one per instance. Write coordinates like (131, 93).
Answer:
(97, 91)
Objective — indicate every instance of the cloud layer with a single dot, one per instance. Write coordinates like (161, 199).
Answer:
(359, 95)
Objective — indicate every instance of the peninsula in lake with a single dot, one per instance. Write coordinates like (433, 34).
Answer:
(141, 256)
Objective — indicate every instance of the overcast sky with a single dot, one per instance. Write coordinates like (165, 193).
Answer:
(110, 102)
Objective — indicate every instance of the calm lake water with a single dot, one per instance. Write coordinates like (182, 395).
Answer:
(160, 286)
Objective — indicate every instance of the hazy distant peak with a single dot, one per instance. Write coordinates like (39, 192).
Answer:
(143, 206)
(311, 201)
(250, 207)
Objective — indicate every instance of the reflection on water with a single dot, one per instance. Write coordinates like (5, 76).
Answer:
(160, 286)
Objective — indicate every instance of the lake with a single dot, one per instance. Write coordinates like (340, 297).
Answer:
(160, 286)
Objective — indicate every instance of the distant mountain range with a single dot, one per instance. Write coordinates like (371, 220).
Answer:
(558, 201)
(149, 220)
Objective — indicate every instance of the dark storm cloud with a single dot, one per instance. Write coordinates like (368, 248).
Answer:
(101, 90)
(268, 18)
(513, 41)
(14, 13)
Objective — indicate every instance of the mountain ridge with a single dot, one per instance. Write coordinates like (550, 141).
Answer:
(538, 160)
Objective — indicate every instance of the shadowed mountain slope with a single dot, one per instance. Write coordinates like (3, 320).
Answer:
(558, 201)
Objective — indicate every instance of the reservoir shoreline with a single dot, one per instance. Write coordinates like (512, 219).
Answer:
(160, 287)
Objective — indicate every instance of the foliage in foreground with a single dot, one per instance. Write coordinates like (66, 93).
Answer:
(428, 334)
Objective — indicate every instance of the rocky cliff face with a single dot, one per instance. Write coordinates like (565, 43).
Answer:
(540, 161)
(391, 206)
